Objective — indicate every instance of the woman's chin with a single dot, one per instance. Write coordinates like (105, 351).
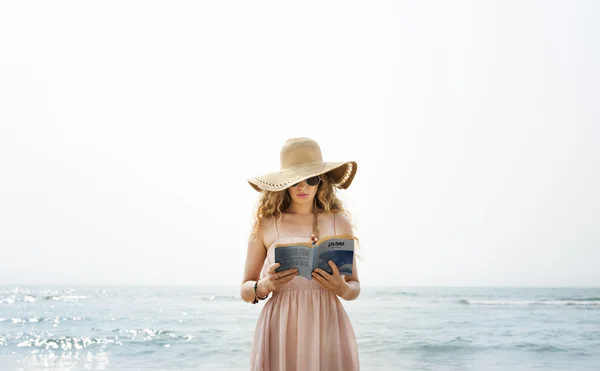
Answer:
(302, 200)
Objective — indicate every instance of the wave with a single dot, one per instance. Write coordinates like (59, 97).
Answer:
(28, 296)
(32, 298)
(460, 344)
(13, 298)
(124, 336)
(151, 334)
(539, 348)
(582, 299)
(465, 347)
(65, 297)
(456, 344)
(587, 302)
(395, 293)
(218, 298)
(65, 342)
(42, 319)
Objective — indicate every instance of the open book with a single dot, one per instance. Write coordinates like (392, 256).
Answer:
(307, 257)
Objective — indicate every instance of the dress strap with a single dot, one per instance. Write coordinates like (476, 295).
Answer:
(334, 232)
(276, 229)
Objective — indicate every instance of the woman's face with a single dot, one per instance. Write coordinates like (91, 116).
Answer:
(304, 192)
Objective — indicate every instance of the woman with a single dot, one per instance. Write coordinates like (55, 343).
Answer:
(303, 325)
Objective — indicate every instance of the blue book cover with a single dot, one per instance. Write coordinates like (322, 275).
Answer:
(307, 256)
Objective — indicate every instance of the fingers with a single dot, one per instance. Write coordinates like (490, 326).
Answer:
(329, 282)
(323, 274)
(278, 279)
(274, 273)
(334, 274)
(287, 272)
(272, 267)
(283, 274)
(282, 280)
(334, 267)
(322, 281)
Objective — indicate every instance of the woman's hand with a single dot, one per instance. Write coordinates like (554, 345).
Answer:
(335, 283)
(275, 280)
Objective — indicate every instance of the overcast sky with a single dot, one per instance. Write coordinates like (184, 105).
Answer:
(128, 130)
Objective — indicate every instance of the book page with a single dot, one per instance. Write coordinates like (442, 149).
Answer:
(295, 256)
(340, 250)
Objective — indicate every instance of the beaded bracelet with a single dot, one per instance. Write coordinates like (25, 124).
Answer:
(256, 296)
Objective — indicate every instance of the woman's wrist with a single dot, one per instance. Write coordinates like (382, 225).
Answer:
(262, 288)
(351, 290)
(344, 289)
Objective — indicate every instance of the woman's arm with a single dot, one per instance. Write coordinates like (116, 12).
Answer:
(353, 281)
(255, 258)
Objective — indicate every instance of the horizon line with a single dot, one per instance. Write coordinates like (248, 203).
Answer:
(362, 285)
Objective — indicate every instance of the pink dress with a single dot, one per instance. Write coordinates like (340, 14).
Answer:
(302, 327)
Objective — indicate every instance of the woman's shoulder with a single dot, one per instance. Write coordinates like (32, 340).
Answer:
(342, 222)
(268, 230)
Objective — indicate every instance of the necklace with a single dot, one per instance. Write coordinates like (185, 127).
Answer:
(315, 227)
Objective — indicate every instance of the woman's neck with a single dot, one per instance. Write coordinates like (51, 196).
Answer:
(301, 209)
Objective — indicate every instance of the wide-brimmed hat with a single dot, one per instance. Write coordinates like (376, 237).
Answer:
(300, 159)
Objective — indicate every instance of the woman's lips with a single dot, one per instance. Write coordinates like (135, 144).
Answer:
(301, 194)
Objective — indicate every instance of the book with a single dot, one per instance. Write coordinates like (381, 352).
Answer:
(306, 256)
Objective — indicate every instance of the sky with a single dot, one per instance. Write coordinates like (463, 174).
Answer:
(128, 130)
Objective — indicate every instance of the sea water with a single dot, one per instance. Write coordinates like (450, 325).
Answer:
(210, 328)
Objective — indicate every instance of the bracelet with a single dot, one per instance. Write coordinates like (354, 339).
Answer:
(256, 296)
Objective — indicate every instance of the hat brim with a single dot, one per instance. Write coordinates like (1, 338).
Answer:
(341, 175)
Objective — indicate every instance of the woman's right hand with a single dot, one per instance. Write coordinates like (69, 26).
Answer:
(275, 280)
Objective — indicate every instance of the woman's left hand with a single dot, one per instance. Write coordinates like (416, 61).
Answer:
(332, 282)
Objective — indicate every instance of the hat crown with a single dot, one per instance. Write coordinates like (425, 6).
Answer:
(299, 151)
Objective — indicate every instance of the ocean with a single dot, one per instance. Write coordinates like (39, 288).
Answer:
(210, 328)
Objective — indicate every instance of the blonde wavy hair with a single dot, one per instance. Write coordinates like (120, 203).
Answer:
(272, 204)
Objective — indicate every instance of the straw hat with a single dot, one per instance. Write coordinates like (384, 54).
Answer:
(301, 159)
